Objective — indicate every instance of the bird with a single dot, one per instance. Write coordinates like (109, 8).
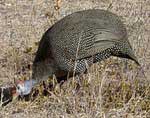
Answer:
(77, 41)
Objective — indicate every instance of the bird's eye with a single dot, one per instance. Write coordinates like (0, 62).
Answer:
(18, 87)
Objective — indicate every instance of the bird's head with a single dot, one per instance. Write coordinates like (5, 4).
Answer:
(25, 87)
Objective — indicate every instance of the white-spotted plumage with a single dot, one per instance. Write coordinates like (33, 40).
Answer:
(78, 40)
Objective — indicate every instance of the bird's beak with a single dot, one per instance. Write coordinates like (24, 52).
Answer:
(7, 94)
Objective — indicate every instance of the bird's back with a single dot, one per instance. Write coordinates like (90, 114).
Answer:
(83, 34)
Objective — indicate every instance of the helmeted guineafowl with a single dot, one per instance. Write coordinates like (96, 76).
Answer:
(78, 40)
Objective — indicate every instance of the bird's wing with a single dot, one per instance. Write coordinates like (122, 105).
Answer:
(95, 42)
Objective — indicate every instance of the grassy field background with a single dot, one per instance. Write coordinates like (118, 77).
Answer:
(113, 88)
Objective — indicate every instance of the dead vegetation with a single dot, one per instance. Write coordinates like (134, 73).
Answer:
(113, 88)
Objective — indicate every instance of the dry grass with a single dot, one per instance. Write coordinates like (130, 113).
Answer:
(111, 89)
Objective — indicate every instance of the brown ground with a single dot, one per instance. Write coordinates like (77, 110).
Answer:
(110, 90)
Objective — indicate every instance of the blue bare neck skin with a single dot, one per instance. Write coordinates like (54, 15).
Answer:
(26, 87)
